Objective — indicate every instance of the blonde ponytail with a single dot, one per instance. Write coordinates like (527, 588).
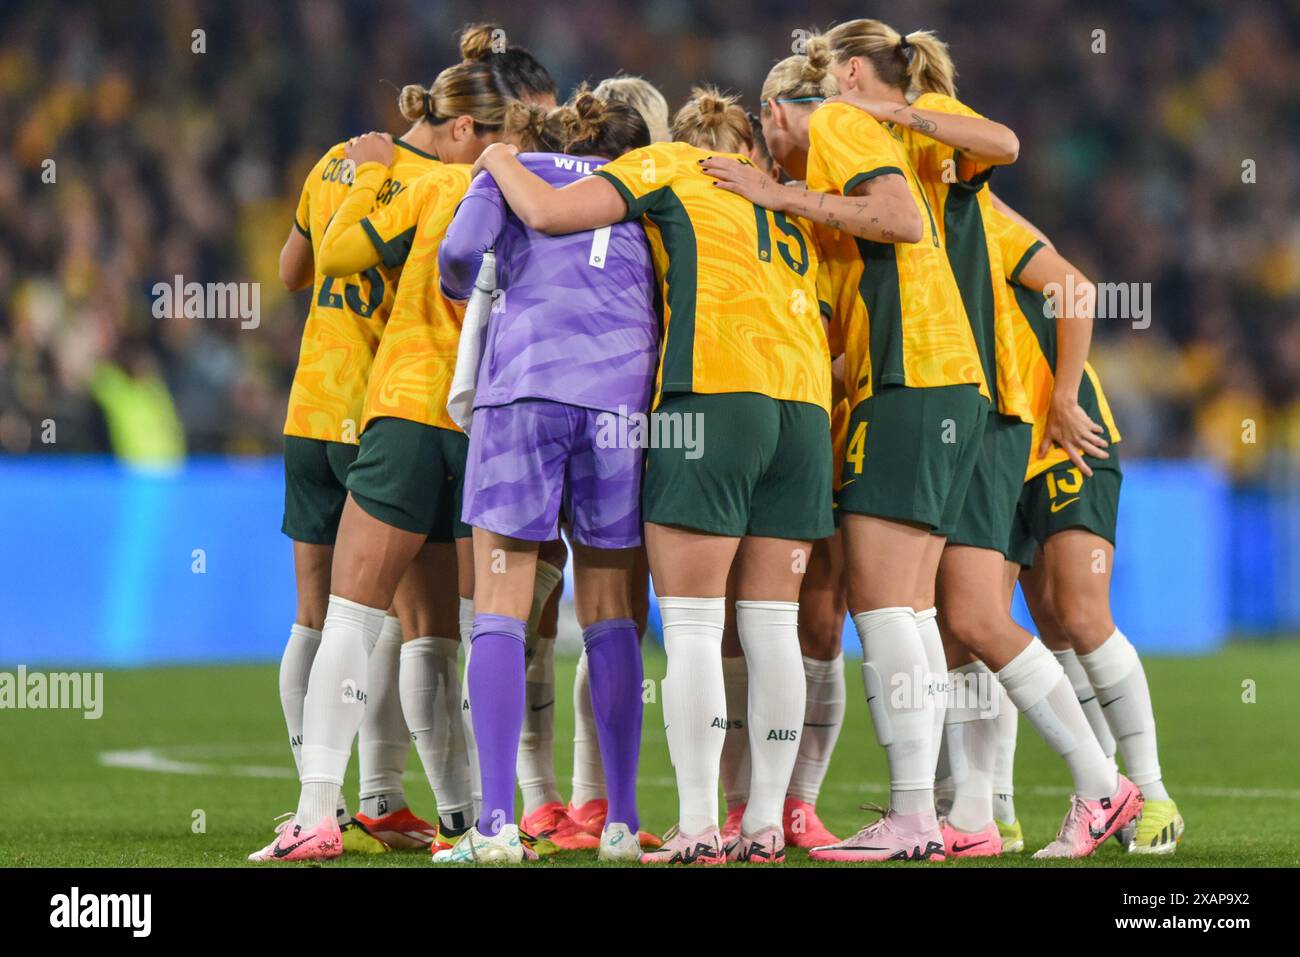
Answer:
(916, 63)
(931, 69)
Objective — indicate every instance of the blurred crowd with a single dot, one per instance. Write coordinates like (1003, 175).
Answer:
(1158, 145)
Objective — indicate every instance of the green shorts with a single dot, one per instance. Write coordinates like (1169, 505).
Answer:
(315, 488)
(911, 453)
(994, 492)
(412, 476)
(760, 466)
(1063, 497)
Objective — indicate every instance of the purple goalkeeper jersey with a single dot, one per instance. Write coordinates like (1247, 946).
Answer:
(574, 319)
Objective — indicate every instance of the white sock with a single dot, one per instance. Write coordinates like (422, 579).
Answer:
(927, 625)
(695, 704)
(547, 579)
(1004, 767)
(466, 633)
(823, 717)
(1041, 691)
(1116, 671)
(588, 771)
(735, 747)
(430, 693)
(535, 763)
(943, 779)
(295, 669)
(972, 734)
(903, 717)
(335, 704)
(1083, 690)
(769, 633)
(383, 741)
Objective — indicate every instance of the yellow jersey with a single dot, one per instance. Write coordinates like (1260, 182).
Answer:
(901, 311)
(1035, 344)
(413, 368)
(347, 316)
(961, 208)
(739, 282)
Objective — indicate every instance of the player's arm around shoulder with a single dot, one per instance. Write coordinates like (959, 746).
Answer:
(589, 203)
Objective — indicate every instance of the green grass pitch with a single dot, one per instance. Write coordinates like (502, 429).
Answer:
(177, 747)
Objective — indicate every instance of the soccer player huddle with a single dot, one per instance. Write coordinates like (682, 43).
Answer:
(898, 423)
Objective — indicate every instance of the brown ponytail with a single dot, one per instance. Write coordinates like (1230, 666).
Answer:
(713, 121)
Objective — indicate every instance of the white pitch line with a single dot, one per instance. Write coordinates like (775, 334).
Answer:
(152, 759)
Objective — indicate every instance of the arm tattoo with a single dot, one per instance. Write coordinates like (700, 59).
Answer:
(921, 124)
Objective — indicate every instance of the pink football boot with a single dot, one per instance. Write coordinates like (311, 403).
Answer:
(986, 842)
(324, 842)
(1089, 823)
(678, 848)
(888, 839)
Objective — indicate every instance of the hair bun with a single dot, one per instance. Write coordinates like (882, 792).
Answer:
(414, 102)
(477, 41)
(711, 104)
(580, 119)
(818, 51)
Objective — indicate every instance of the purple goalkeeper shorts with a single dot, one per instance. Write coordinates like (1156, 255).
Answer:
(532, 457)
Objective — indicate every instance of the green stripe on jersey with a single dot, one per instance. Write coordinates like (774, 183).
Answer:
(879, 291)
(968, 254)
(1033, 306)
(678, 236)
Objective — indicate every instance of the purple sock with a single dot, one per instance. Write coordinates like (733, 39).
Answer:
(496, 694)
(614, 669)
